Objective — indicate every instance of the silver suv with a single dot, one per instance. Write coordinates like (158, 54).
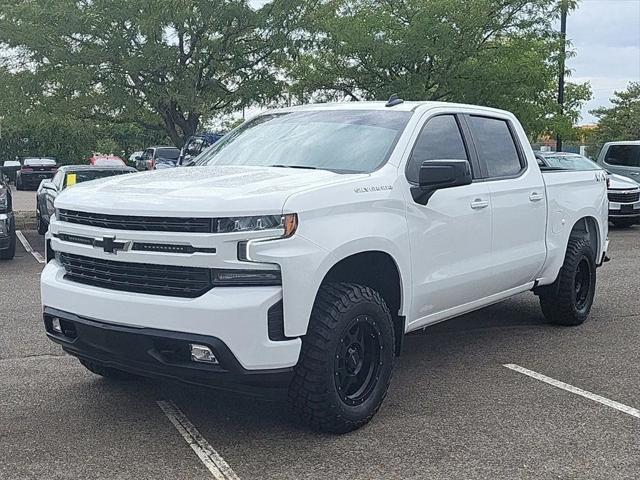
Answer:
(622, 158)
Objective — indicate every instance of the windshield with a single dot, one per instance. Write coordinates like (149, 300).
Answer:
(569, 162)
(88, 175)
(623, 155)
(168, 153)
(343, 141)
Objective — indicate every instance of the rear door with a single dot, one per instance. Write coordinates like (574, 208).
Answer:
(450, 236)
(518, 202)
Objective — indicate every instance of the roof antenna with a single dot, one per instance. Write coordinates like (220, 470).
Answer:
(393, 101)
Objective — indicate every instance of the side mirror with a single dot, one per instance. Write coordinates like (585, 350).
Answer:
(438, 174)
(47, 185)
(137, 158)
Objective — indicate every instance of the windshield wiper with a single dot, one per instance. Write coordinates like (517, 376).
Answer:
(307, 167)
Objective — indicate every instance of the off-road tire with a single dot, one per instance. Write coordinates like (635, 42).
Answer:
(9, 252)
(560, 302)
(106, 372)
(314, 393)
(624, 222)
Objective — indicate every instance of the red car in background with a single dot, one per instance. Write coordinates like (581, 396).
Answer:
(100, 160)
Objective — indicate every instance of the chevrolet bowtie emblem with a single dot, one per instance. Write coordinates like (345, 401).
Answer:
(109, 244)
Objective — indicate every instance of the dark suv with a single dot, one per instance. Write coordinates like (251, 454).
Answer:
(7, 222)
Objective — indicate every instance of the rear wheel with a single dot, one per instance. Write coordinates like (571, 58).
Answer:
(106, 372)
(19, 184)
(568, 300)
(624, 222)
(346, 360)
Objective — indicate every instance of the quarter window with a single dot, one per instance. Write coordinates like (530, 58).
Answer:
(440, 139)
(496, 147)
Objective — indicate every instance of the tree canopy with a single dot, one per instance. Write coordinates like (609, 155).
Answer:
(621, 121)
(166, 67)
(500, 53)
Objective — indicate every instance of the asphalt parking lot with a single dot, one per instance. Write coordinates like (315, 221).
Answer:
(23, 200)
(454, 411)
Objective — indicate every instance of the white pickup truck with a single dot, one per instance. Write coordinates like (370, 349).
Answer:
(305, 244)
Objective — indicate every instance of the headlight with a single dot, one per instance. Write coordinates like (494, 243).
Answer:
(4, 200)
(287, 224)
(246, 278)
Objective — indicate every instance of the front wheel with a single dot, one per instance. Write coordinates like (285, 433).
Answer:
(346, 360)
(569, 299)
(9, 252)
(41, 225)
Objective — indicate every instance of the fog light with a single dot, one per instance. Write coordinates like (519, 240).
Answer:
(55, 325)
(202, 353)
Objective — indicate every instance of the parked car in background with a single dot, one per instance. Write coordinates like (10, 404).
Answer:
(100, 160)
(196, 144)
(154, 155)
(134, 156)
(7, 221)
(622, 158)
(67, 176)
(623, 193)
(34, 170)
(11, 168)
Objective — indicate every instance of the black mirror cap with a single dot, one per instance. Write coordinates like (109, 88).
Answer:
(438, 174)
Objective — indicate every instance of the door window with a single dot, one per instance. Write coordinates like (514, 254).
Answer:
(623, 155)
(496, 146)
(440, 139)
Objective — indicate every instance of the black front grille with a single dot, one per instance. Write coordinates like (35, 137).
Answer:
(151, 224)
(164, 280)
(624, 197)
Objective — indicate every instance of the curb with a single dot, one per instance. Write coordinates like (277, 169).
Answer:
(25, 220)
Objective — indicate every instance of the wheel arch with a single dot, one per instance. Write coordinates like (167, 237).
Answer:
(587, 227)
(378, 270)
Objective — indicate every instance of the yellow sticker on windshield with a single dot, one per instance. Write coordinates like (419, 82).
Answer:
(71, 179)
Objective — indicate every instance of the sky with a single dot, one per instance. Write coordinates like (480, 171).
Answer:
(605, 35)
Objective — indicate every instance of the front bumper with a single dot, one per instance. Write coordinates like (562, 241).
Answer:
(624, 210)
(158, 353)
(236, 316)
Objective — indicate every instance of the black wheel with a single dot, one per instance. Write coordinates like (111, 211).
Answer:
(9, 252)
(106, 372)
(41, 225)
(19, 184)
(346, 360)
(624, 222)
(568, 301)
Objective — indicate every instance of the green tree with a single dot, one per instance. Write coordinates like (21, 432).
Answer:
(621, 121)
(500, 53)
(162, 64)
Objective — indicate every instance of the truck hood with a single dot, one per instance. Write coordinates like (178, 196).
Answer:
(618, 182)
(196, 191)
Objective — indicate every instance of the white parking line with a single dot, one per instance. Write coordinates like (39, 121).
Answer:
(634, 412)
(28, 248)
(211, 459)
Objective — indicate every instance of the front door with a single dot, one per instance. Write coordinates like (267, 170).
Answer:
(450, 236)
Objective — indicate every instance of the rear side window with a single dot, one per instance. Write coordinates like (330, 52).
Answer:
(440, 139)
(496, 147)
(623, 155)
